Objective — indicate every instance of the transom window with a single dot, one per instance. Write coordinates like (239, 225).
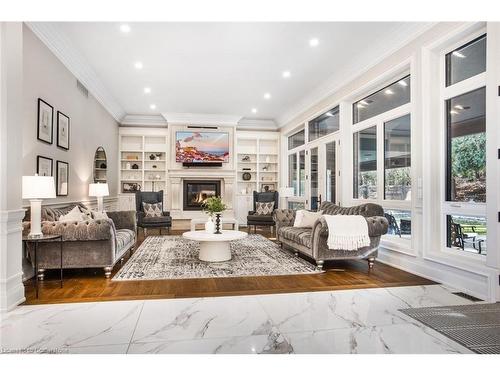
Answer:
(297, 139)
(325, 124)
(390, 97)
(466, 61)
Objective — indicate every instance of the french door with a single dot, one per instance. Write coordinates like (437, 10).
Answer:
(322, 173)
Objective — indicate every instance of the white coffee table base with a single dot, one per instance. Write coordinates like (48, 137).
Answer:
(215, 247)
(215, 251)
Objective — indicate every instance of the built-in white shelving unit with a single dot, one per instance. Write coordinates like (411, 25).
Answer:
(142, 162)
(257, 155)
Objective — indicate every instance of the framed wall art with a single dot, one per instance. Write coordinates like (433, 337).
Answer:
(62, 178)
(62, 131)
(45, 122)
(44, 166)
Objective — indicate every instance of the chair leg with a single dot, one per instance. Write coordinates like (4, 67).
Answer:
(160, 231)
(371, 262)
(107, 272)
(255, 229)
(145, 232)
(319, 265)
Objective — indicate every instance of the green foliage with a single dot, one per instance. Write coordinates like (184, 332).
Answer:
(398, 176)
(213, 205)
(468, 155)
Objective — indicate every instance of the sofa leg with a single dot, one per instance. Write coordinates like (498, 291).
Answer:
(107, 272)
(371, 262)
(319, 265)
(41, 274)
(145, 232)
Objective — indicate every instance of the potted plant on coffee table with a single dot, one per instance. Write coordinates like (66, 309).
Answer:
(214, 206)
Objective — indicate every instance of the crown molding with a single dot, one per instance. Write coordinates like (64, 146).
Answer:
(402, 36)
(144, 120)
(201, 119)
(256, 124)
(60, 45)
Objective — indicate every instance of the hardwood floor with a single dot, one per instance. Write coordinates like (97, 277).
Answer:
(88, 285)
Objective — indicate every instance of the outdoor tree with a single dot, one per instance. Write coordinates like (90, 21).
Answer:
(469, 156)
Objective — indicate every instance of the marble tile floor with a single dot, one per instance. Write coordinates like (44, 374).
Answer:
(348, 321)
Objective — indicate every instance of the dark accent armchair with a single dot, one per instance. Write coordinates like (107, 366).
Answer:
(262, 220)
(164, 221)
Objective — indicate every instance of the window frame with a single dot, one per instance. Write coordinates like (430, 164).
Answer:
(308, 123)
(445, 93)
(402, 245)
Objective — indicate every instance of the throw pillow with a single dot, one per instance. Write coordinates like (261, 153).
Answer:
(153, 209)
(264, 208)
(96, 215)
(87, 212)
(306, 219)
(74, 215)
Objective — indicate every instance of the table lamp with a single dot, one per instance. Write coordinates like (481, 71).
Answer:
(99, 190)
(287, 192)
(36, 188)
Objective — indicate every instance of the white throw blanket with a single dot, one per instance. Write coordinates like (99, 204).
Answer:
(347, 232)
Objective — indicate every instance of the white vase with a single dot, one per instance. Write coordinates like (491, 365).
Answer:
(210, 225)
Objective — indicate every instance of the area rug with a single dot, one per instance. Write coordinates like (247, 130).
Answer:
(174, 257)
(477, 327)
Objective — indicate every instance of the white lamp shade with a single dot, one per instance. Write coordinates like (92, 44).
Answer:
(98, 190)
(287, 192)
(38, 187)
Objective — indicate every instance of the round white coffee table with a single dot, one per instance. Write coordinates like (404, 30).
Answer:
(215, 247)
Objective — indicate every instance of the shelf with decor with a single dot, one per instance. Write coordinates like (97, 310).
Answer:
(258, 152)
(142, 165)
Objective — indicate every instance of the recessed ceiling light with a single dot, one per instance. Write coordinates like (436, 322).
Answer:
(138, 65)
(458, 54)
(329, 114)
(453, 112)
(286, 74)
(389, 92)
(254, 110)
(458, 106)
(147, 90)
(364, 102)
(314, 42)
(124, 28)
(152, 106)
(360, 105)
(403, 83)
(267, 96)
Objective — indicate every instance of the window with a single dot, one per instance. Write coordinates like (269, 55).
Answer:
(297, 139)
(302, 173)
(296, 205)
(466, 61)
(397, 158)
(314, 178)
(464, 150)
(365, 164)
(330, 172)
(399, 223)
(466, 233)
(325, 124)
(390, 97)
(466, 147)
(292, 172)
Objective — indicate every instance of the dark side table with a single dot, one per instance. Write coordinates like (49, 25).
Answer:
(27, 241)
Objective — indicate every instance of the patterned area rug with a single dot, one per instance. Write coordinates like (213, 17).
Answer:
(174, 257)
(477, 327)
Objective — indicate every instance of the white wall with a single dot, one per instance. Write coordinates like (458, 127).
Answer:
(424, 254)
(91, 125)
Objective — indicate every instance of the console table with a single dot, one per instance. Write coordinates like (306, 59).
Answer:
(215, 247)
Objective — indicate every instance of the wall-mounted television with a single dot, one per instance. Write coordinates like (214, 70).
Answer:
(201, 147)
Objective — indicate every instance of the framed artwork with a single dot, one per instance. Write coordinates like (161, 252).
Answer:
(44, 166)
(45, 121)
(268, 187)
(62, 131)
(62, 178)
(130, 187)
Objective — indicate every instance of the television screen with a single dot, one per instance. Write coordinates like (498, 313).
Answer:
(201, 147)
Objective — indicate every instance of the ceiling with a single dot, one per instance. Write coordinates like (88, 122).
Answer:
(226, 68)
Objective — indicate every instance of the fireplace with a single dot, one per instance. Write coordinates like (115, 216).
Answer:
(196, 192)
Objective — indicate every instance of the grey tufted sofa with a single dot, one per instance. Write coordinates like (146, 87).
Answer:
(87, 244)
(312, 242)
